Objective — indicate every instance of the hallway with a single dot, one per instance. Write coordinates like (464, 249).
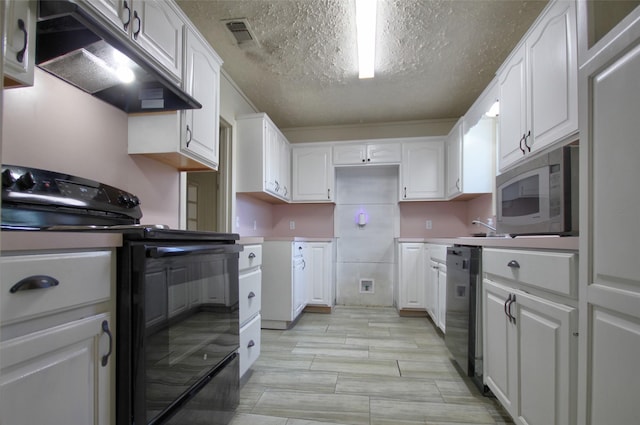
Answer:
(360, 366)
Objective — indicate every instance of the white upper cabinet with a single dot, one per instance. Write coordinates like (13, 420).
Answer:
(20, 42)
(367, 153)
(202, 81)
(422, 170)
(156, 26)
(470, 149)
(538, 86)
(264, 159)
(313, 174)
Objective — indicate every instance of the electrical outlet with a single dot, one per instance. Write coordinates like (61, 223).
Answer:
(429, 224)
(292, 225)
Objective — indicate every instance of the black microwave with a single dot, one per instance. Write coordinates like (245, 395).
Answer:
(540, 196)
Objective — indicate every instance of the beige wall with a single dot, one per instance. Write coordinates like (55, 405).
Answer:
(56, 126)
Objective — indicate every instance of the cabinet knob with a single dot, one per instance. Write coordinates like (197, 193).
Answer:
(513, 264)
(252, 256)
(251, 344)
(251, 295)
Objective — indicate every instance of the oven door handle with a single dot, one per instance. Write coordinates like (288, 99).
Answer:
(182, 250)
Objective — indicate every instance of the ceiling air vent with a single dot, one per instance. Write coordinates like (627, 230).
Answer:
(241, 32)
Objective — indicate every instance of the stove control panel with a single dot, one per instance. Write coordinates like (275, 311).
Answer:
(26, 187)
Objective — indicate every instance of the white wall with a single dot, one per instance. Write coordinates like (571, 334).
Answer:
(366, 252)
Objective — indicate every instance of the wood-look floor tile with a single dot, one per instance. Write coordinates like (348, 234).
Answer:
(334, 350)
(282, 361)
(412, 354)
(249, 419)
(340, 408)
(385, 410)
(382, 342)
(356, 366)
(397, 388)
(284, 379)
(428, 369)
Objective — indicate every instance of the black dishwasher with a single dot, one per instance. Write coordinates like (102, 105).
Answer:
(464, 310)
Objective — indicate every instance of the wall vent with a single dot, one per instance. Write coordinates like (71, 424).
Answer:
(241, 31)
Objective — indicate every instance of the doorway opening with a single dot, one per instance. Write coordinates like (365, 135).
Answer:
(206, 196)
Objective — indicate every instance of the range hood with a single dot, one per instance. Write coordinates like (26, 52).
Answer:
(73, 44)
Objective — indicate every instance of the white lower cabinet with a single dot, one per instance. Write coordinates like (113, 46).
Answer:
(411, 276)
(530, 349)
(57, 361)
(57, 376)
(436, 284)
(250, 304)
(284, 294)
(319, 274)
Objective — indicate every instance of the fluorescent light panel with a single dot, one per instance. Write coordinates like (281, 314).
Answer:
(366, 11)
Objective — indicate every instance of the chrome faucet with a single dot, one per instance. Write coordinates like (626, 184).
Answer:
(488, 226)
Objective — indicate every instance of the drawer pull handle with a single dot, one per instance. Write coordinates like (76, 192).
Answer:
(513, 264)
(105, 329)
(251, 344)
(251, 295)
(507, 301)
(512, 318)
(252, 256)
(34, 282)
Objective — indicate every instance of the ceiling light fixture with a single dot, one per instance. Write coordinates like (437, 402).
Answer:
(366, 11)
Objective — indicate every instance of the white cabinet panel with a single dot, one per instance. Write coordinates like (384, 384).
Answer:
(319, 273)
(250, 342)
(56, 376)
(313, 174)
(250, 294)
(411, 276)
(422, 170)
(367, 153)
(19, 42)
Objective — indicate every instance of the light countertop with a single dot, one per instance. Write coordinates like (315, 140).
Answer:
(532, 242)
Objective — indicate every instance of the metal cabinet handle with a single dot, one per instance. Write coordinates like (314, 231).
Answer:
(252, 256)
(304, 265)
(34, 282)
(512, 318)
(251, 344)
(189, 135)
(368, 159)
(507, 301)
(525, 141)
(328, 193)
(405, 191)
(251, 295)
(136, 32)
(513, 264)
(364, 160)
(105, 329)
(277, 186)
(23, 28)
(126, 22)
(520, 144)
(458, 184)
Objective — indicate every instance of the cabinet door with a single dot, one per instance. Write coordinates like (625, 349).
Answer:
(545, 346)
(271, 158)
(454, 160)
(513, 110)
(422, 170)
(442, 297)
(610, 288)
(349, 154)
(431, 297)
(202, 81)
(500, 354)
(158, 29)
(299, 287)
(384, 153)
(56, 376)
(115, 11)
(20, 42)
(411, 279)
(553, 76)
(284, 170)
(318, 273)
(313, 175)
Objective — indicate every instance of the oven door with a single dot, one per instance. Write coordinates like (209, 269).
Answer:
(178, 324)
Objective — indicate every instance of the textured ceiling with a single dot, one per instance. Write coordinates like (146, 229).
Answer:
(433, 59)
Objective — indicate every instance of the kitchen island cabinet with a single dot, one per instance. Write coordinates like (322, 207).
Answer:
(56, 356)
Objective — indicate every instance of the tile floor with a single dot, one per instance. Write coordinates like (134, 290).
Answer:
(360, 366)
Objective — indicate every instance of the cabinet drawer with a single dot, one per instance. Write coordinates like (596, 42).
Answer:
(249, 344)
(250, 257)
(551, 271)
(83, 278)
(250, 294)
